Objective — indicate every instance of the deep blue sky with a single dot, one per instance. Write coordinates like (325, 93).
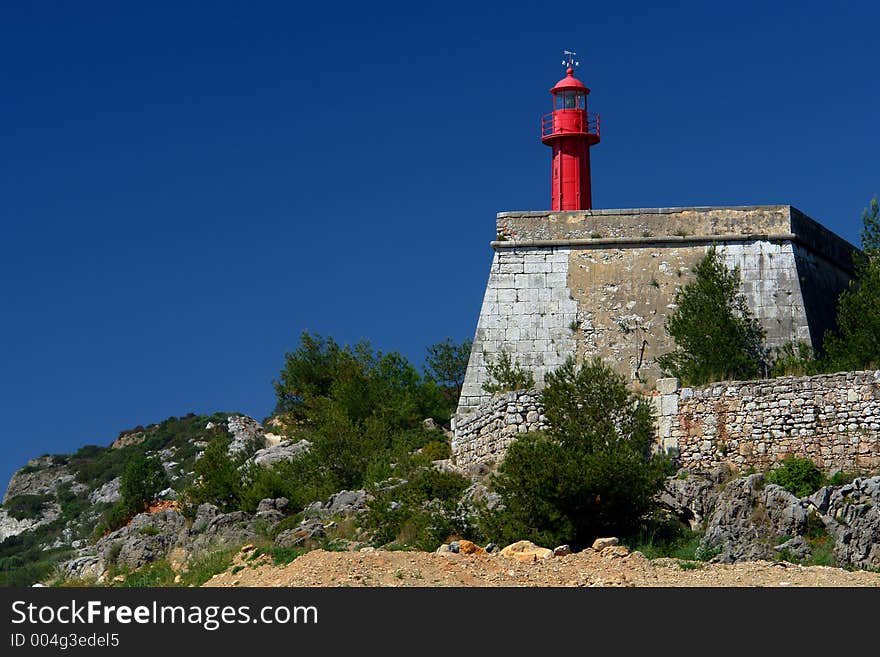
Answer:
(186, 186)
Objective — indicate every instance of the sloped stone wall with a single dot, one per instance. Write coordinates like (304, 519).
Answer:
(603, 283)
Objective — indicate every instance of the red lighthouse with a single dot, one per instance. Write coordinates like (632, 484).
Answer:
(570, 130)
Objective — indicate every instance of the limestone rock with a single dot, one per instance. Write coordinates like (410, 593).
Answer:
(272, 510)
(690, 497)
(601, 543)
(106, 494)
(854, 520)
(286, 450)
(308, 529)
(796, 547)
(749, 517)
(526, 552)
(247, 435)
(468, 547)
(149, 536)
(39, 476)
(10, 526)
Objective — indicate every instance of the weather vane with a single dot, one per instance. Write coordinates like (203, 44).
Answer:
(569, 61)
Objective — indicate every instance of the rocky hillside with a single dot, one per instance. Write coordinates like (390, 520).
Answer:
(53, 520)
(53, 506)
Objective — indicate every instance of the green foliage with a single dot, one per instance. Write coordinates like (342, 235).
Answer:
(420, 513)
(363, 382)
(591, 474)
(795, 359)
(218, 479)
(870, 234)
(799, 476)
(715, 334)
(447, 363)
(506, 375)
(26, 506)
(856, 345)
(142, 479)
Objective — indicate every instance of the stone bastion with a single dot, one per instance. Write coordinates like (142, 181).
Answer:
(602, 283)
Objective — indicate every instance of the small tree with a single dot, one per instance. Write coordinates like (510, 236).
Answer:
(870, 234)
(506, 375)
(591, 473)
(218, 479)
(447, 362)
(141, 481)
(715, 334)
(857, 343)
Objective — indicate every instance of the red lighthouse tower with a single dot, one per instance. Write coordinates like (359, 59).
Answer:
(570, 130)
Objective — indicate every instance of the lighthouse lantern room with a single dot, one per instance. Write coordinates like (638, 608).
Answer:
(570, 130)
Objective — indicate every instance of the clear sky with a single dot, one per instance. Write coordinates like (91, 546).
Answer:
(186, 186)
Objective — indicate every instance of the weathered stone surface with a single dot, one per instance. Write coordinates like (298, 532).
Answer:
(601, 543)
(469, 547)
(39, 476)
(148, 537)
(286, 450)
(689, 497)
(10, 526)
(526, 552)
(853, 518)
(247, 434)
(736, 424)
(308, 529)
(272, 510)
(106, 494)
(750, 517)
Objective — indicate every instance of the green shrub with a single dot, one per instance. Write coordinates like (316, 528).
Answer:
(218, 479)
(591, 474)
(799, 476)
(795, 359)
(142, 479)
(420, 513)
(505, 375)
(716, 336)
(26, 506)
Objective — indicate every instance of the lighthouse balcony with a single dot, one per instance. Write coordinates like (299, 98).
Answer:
(570, 122)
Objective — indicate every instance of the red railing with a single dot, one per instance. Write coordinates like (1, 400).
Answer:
(569, 122)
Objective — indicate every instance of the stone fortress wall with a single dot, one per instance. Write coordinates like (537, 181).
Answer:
(602, 283)
(834, 419)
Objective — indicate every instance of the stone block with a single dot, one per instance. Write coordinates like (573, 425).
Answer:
(667, 386)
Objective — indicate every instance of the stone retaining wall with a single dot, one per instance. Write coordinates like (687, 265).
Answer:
(834, 419)
(484, 435)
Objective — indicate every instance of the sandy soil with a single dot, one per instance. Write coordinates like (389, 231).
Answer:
(612, 567)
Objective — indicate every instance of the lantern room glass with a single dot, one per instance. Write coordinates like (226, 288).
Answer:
(571, 100)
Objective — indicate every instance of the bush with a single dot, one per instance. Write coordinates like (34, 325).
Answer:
(795, 359)
(505, 375)
(799, 476)
(26, 506)
(447, 363)
(592, 473)
(218, 479)
(141, 482)
(420, 513)
(715, 334)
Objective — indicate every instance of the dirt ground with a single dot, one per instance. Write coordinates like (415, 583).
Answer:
(611, 567)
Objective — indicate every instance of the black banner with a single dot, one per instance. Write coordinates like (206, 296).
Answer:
(431, 620)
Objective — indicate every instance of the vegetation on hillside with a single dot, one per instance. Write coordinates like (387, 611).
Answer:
(716, 336)
(592, 473)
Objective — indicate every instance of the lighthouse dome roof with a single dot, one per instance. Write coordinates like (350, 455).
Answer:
(569, 83)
